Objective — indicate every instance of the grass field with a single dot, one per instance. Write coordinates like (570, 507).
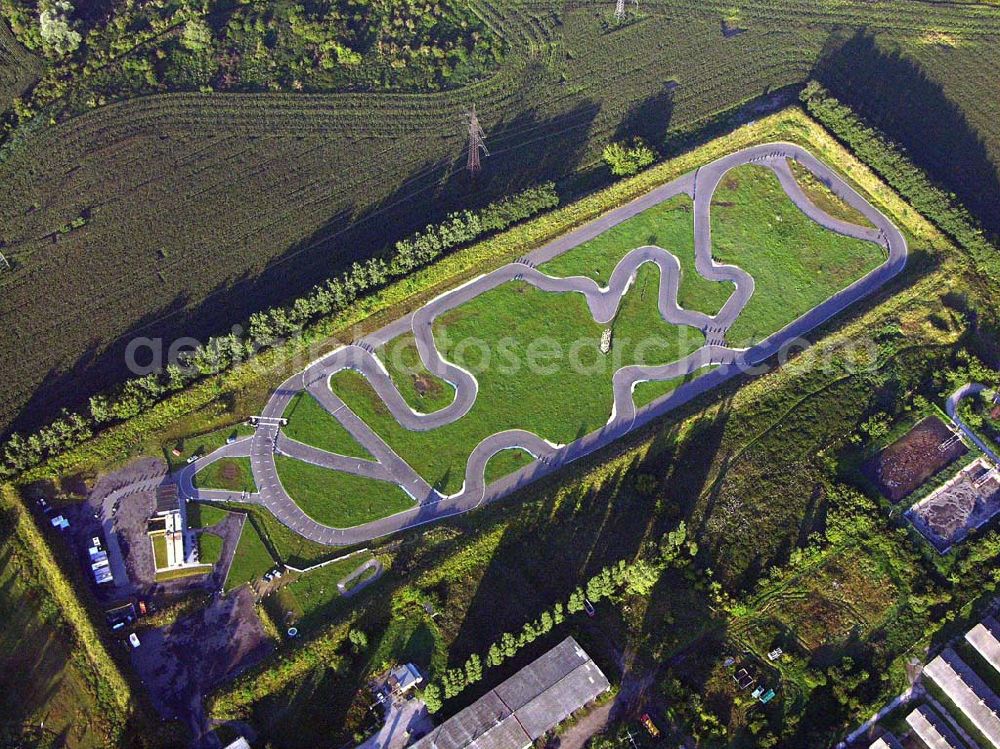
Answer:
(311, 424)
(201, 515)
(159, 542)
(504, 462)
(251, 559)
(648, 391)
(336, 498)
(234, 474)
(669, 225)
(423, 391)
(795, 263)
(823, 197)
(209, 548)
(289, 547)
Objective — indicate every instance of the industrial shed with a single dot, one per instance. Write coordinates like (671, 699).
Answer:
(968, 692)
(526, 706)
(886, 741)
(931, 729)
(985, 638)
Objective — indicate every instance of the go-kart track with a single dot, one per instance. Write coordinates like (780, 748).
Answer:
(603, 303)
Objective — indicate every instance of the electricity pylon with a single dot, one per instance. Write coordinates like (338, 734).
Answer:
(476, 142)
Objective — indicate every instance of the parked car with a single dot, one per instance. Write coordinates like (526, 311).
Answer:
(650, 727)
(134, 640)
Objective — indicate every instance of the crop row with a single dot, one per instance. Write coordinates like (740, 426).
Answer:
(188, 199)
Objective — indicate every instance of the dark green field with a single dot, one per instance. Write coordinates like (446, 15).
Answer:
(247, 199)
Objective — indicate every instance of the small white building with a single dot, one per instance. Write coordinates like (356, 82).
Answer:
(403, 678)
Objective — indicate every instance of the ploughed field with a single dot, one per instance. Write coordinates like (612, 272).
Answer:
(182, 213)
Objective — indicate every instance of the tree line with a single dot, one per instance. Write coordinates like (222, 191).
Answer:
(632, 578)
(272, 326)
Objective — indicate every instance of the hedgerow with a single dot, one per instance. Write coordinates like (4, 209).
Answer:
(266, 328)
(892, 163)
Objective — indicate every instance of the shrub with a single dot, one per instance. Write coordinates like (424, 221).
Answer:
(628, 158)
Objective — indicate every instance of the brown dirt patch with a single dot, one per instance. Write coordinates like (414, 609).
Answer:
(908, 462)
(230, 472)
(425, 385)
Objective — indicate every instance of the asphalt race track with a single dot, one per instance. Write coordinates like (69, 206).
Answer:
(603, 303)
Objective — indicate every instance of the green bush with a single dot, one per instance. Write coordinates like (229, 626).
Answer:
(628, 158)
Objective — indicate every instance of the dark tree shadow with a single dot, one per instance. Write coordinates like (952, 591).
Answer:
(527, 150)
(650, 118)
(894, 94)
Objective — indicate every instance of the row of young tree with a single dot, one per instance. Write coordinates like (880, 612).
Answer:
(270, 327)
(635, 578)
(893, 164)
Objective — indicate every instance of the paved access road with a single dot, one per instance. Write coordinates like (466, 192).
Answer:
(969, 389)
(603, 302)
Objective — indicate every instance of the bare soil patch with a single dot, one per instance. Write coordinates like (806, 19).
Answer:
(908, 462)
(181, 662)
(425, 385)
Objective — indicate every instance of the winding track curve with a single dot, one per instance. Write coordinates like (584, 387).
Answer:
(603, 303)
(965, 391)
